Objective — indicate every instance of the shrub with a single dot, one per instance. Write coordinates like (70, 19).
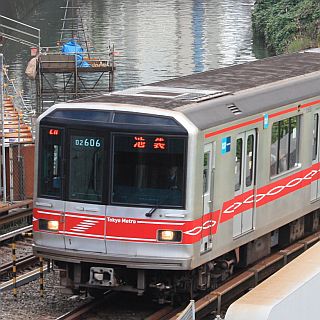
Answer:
(287, 24)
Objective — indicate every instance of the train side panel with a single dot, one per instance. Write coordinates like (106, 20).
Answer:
(278, 199)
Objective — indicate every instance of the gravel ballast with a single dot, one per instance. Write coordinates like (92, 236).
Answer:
(29, 304)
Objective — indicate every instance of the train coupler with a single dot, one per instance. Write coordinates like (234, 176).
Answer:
(100, 276)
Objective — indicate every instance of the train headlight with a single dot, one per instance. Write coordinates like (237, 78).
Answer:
(48, 225)
(169, 235)
(53, 225)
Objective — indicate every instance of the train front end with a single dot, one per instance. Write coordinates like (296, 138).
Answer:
(112, 205)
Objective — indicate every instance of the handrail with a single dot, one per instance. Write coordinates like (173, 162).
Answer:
(19, 40)
(18, 22)
(15, 91)
(19, 32)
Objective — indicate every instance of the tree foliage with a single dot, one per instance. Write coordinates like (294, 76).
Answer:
(284, 23)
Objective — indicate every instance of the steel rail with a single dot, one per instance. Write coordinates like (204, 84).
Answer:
(85, 308)
(15, 233)
(23, 279)
(21, 263)
(80, 311)
(164, 313)
(11, 217)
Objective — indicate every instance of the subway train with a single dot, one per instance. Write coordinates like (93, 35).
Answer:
(165, 189)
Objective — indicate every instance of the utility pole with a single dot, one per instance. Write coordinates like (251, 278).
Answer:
(4, 183)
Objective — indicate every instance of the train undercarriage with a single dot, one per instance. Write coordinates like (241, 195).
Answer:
(171, 286)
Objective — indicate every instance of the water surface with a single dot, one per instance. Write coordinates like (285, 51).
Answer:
(155, 40)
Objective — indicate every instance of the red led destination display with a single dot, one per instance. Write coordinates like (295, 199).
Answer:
(147, 142)
(54, 132)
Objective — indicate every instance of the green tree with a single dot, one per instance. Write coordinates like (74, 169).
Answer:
(287, 25)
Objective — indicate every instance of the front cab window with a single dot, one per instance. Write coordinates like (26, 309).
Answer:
(148, 170)
(86, 168)
(50, 173)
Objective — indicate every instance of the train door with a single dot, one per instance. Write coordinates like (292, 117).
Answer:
(85, 213)
(245, 179)
(208, 179)
(315, 185)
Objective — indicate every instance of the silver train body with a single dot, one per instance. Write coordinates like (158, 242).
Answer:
(167, 187)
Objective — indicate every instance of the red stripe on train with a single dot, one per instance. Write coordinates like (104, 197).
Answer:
(128, 229)
(256, 120)
(145, 230)
(269, 192)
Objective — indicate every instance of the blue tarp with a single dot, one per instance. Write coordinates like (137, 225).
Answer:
(71, 48)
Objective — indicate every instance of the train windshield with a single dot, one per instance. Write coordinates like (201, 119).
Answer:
(86, 168)
(148, 170)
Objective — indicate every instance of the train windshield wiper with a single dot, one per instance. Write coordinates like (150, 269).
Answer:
(157, 206)
(149, 213)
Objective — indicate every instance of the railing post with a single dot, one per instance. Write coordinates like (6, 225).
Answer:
(41, 277)
(14, 269)
(4, 183)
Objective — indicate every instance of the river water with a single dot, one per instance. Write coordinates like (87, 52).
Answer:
(154, 40)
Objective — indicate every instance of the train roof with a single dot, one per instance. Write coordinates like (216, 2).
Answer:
(226, 94)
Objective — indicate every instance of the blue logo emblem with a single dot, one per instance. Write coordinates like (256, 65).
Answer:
(265, 121)
(226, 145)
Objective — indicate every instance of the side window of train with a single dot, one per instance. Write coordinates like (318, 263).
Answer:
(284, 145)
(208, 176)
(206, 160)
(238, 166)
(250, 160)
(315, 134)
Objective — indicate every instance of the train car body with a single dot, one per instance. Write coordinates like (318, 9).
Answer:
(167, 187)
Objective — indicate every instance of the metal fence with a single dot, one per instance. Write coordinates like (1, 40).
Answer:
(17, 182)
(16, 141)
(188, 313)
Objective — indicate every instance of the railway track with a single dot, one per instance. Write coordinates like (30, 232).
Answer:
(118, 305)
(15, 221)
(210, 305)
(15, 214)
(129, 307)
(25, 263)
(82, 310)
(21, 263)
(217, 301)
(14, 233)
(165, 313)
(213, 303)
(14, 217)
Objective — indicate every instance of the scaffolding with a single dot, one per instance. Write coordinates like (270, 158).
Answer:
(67, 75)
(17, 118)
(17, 143)
(26, 35)
(59, 76)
